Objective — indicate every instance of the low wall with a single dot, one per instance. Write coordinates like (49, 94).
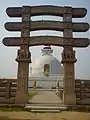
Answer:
(8, 91)
(82, 89)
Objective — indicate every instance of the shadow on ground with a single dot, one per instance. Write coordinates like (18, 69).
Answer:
(7, 118)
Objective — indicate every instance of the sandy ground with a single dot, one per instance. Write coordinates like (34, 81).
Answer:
(64, 115)
(44, 97)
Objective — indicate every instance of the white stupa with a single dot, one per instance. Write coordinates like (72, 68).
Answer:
(47, 67)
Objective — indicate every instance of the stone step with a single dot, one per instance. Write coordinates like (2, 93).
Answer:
(32, 110)
(45, 107)
(46, 102)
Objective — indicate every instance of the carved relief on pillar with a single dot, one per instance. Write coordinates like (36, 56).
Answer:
(26, 10)
(25, 24)
(21, 54)
(67, 10)
(24, 54)
(68, 54)
(25, 13)
(25, 32)
(69, 81)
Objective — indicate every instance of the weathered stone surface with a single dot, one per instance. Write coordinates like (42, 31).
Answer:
(68, 60)
(47, 40)
(46, 10)
(23, 60)
(69, 98)
(47, 25)
(22, 83)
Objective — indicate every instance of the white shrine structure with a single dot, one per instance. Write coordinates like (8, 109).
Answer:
(47, 70)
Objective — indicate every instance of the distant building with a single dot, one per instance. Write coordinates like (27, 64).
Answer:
(46, 68)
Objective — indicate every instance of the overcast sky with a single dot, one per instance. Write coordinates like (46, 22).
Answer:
(8, 65)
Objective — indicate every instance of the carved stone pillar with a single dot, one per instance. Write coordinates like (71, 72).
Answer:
(23, 59)
(68, 60)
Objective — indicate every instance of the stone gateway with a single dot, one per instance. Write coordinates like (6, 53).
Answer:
(67, 26)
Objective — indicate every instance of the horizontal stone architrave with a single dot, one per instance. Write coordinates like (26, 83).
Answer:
(46, 40)
(47, 25)
(47, 10)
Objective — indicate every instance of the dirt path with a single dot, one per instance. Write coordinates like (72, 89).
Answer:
(47, 97)
(45, 116)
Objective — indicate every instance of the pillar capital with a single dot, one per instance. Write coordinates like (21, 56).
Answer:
(68, 56)
(23, 56)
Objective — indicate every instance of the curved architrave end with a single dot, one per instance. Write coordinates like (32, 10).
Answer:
(46, 10)
(48, 25)
(46, 40)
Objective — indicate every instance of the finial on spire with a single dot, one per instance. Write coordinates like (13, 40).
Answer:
(47, 50)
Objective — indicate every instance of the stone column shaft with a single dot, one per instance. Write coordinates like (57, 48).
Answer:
(23, 60)
(68, 59)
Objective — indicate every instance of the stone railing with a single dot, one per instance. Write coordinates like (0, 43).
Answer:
(7, 90)
(82, 89)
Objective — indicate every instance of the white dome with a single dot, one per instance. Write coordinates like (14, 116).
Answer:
(47, 58)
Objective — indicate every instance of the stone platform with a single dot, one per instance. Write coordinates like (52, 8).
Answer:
(46, 97)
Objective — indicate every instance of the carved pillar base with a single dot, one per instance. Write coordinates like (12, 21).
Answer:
(21, 94)
(69, 98)
(22, 83)
(69, 95)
